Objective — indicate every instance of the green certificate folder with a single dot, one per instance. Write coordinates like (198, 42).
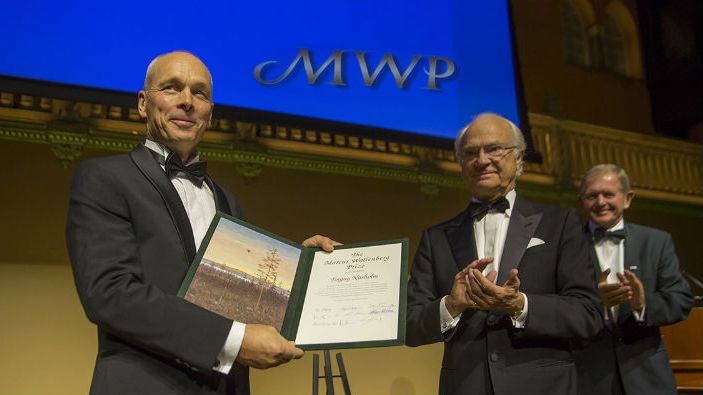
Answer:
(349, 298)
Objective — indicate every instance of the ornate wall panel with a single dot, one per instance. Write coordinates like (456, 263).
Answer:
(662, 170)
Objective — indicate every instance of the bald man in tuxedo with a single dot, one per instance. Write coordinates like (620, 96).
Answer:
(134, 224)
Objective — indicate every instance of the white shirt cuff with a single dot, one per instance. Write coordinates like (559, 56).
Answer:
(446, 320)
(522, 318)
(229, 352)
(639, 316)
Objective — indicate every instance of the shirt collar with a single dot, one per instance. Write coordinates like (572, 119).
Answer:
(164, 151)
(510, 197)
(620, 225)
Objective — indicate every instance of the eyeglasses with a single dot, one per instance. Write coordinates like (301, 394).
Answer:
(469, 154)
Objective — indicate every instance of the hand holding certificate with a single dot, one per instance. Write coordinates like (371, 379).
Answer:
(353, 296)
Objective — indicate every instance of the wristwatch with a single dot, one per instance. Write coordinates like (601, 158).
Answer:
(516, 314)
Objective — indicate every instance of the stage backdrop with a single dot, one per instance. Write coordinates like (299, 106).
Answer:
(411, 66)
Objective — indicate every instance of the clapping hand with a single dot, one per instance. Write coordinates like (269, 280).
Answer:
(615, 293)
(458, 300)
(489, 296)
(636, 298)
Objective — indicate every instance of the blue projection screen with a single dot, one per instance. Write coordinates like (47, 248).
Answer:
(412, 66)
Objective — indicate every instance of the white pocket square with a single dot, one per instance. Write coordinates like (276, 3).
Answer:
(534, 242)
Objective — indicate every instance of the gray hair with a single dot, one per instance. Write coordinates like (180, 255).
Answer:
(518, 140)
(603, 169)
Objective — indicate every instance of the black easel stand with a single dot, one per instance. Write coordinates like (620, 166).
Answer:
(328, 373)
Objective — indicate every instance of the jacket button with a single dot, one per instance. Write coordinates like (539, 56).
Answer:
(491, 320)
(494, 357)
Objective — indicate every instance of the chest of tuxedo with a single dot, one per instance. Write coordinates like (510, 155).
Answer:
(537, 270)
(538, 265)
(640, 256)
(162, 255)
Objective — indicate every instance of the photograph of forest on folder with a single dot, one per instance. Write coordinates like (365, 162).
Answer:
(244, 275)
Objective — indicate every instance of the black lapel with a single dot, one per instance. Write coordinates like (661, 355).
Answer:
(592, 244)
(221, 203)
(632, 245)
(521, 227)
(144, 160)
(460, 234)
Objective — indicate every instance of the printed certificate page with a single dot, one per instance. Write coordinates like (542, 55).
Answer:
(353, 295)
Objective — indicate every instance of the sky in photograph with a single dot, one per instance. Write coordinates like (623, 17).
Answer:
(239, 247)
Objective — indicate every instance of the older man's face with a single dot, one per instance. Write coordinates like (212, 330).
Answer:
(604, 201)
(489, 176)
(177, 104)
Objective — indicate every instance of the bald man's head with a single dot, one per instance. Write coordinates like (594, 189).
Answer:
(154, 64)
(177, 101)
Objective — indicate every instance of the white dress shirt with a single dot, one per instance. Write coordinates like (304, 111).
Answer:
(611, 255)
(199, 203)
(498, 223)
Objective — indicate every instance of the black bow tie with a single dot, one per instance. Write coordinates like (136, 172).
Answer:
(478, 210)
(195, 171)
(615, 235)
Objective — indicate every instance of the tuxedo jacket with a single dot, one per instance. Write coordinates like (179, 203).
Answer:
(484, 353)
(631, 349)
(130, 243)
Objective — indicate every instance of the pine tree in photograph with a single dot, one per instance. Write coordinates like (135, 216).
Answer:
(268, 272)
